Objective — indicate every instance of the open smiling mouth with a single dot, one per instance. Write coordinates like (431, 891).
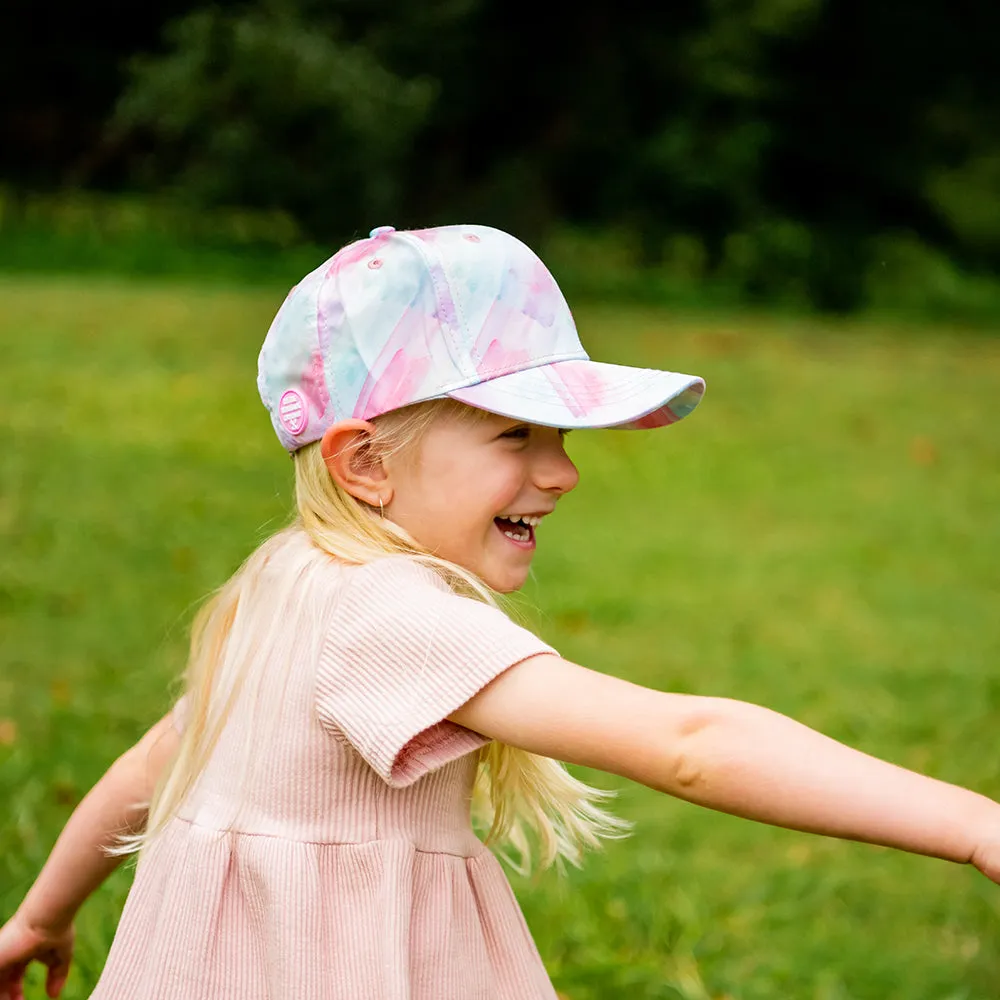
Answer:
(520, 529)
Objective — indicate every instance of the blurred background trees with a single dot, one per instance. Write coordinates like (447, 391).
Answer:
(828, 153)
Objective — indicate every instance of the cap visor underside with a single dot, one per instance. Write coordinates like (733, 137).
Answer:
(579, 394)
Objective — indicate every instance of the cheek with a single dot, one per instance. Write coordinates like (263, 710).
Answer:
(500, 484)
(456, 491)
(450, 493)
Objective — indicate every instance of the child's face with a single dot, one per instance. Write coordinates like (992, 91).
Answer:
(467, 477)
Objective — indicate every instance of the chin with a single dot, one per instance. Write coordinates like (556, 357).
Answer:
(507, 582)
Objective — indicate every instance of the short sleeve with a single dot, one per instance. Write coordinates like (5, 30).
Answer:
(402, 653)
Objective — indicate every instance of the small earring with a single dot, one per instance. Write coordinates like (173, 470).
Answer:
(381, 509)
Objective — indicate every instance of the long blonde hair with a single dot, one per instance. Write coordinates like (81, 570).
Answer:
(524, 800)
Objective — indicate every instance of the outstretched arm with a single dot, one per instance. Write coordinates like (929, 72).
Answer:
(42, 927)
(735, 757)
(78, 863)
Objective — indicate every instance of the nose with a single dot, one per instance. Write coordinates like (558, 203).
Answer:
(554, 470)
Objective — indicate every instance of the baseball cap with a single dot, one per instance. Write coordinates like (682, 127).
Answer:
(466, 312)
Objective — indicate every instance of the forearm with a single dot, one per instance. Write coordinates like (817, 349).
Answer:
(752, 762)
(116, 805)
(78, 863)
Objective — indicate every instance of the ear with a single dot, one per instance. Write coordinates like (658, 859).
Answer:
(347, 451)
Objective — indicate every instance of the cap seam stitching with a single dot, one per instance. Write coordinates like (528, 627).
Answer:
(424, 252)
(332, 387)
(492, 373)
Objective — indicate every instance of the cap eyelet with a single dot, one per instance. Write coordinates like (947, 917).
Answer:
(293, 412)
(375, 263)
(472, 238)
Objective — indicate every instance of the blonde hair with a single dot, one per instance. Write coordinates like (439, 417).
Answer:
(523, 799)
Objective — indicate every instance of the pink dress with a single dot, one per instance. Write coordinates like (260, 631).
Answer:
(352, 871)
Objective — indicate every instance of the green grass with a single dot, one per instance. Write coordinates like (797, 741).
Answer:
(821, 537)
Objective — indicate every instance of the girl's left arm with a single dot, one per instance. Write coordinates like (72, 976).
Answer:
(732, 756)
(78, 863)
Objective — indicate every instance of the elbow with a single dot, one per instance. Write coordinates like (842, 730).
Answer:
(688, 775)
(688, 766)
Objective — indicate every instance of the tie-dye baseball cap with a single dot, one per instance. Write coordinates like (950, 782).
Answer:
(466, 312)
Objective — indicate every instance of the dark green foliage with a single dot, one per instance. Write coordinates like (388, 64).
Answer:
(264, 110)
(773, 148)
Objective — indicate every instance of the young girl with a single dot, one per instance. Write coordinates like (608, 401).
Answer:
(304, 812)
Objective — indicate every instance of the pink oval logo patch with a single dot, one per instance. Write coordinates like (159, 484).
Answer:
(292, 411)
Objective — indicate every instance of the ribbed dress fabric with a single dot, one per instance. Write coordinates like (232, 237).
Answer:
(336, 860)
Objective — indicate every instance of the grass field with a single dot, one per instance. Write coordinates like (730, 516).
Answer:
(823, 537)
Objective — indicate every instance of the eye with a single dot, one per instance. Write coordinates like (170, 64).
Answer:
(516, 433)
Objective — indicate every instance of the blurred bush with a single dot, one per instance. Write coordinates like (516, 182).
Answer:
(967, 197)
(261, 108)
(801, 153)
(906, 275)
(106, 218)
(712, 146)
(86, 231)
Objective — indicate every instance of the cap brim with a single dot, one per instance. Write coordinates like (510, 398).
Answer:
(578, 394)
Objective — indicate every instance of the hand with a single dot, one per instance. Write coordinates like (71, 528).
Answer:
(21, 944)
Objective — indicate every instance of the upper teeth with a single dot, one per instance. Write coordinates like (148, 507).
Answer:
(524, 519)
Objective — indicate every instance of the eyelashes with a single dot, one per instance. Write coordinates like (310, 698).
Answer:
(523, 431)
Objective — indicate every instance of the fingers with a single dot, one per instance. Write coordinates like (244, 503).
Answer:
(10, 982)
(58, 960)
(56, 978)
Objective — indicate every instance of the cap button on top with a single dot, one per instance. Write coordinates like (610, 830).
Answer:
(381, 231)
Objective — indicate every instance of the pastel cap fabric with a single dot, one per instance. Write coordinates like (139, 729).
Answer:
(466, 312)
